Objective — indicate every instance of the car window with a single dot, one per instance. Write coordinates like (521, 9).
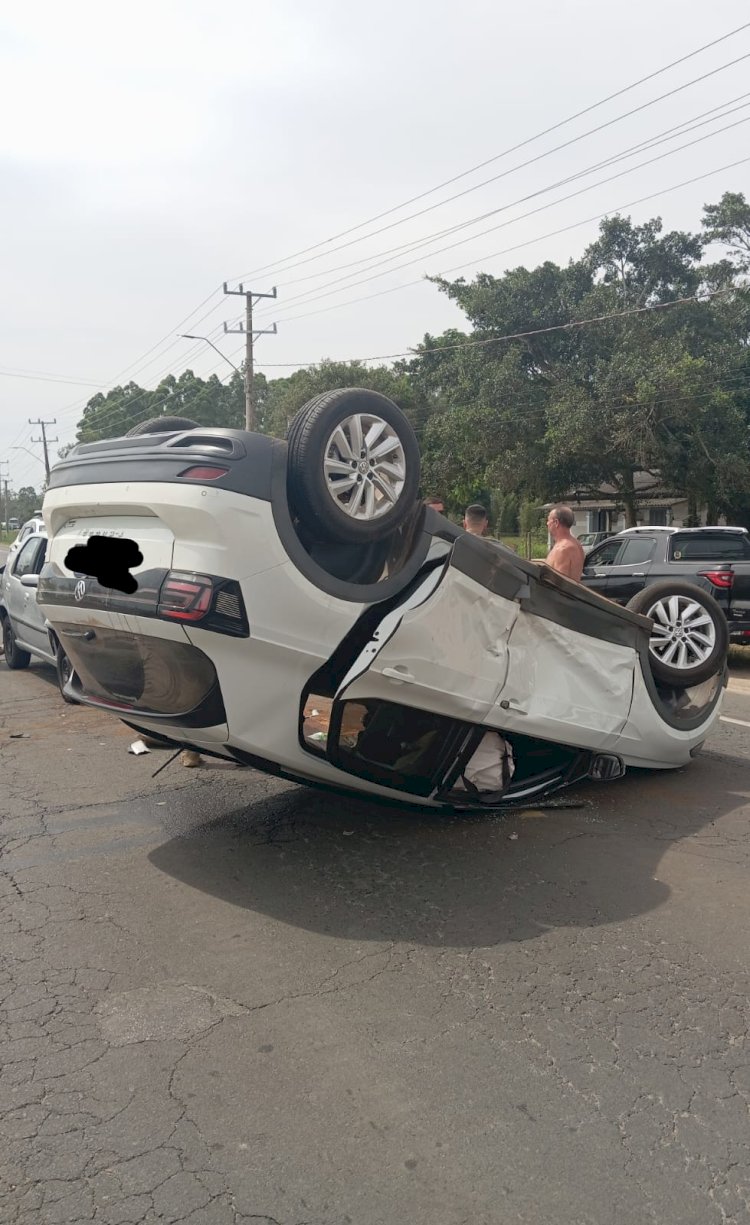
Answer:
(636, 550)
(710, 546)
(605, 555)
(25, 562)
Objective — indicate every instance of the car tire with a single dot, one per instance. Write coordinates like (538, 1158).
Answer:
(15, 658)
(64, 670)
(324, 474)
(163, 425)
(688, 626)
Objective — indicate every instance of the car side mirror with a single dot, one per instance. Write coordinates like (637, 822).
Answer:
(30, 580)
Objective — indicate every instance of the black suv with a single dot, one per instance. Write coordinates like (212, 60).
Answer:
(715, 558)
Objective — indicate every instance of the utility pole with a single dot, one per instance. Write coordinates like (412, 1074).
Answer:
(249, 333)
(44, 440)
(4, 464)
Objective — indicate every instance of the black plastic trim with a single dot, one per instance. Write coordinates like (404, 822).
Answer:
(151, 458)
(357, 593)
(663, 711)
(544, 593)
(209, 713)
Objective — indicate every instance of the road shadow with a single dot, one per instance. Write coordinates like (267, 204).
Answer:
(367, 872)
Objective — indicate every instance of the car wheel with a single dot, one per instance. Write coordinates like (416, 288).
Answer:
(64, 670)
(163, 425)
(353, 465)
(690, 637)
(15, 658)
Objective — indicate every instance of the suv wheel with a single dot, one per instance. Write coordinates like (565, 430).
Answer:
(15, 658)
(690, 637)
(353, 465)
(64, 670)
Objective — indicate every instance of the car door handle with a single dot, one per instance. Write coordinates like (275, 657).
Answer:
(639, 574)
(399, 673)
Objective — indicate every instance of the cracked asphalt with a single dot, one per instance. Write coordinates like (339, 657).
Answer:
(227, 1000)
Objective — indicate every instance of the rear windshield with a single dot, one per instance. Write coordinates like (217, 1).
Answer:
(710, 546)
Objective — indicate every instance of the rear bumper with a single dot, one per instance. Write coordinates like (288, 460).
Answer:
(166, 680)
(739, 632)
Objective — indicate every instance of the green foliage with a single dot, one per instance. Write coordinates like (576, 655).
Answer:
(507, 514)
(535, 418)
(531, 518)
(21, 505)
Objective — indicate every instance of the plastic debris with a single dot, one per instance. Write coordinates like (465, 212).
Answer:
(138, 747)
(513, 837)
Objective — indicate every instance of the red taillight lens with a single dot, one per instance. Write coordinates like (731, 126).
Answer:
(203, 473)
(185, 597)
(719, 578)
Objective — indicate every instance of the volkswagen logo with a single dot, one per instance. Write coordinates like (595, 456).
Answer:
(80, 589)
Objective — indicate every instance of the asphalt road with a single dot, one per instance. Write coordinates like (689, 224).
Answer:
(228, 1000)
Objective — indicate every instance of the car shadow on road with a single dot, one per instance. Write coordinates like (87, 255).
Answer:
(363, 871)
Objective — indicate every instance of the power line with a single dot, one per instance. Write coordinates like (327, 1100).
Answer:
(518, 246)
(323, 292)
(523, 165)
(44, 377)
(682, 129)
(115, 410)
(505, 153)
(491, 340)
(139, 362)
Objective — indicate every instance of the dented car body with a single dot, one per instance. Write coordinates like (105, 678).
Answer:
(377, 667)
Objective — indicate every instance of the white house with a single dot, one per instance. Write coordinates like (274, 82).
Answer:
(656, 506)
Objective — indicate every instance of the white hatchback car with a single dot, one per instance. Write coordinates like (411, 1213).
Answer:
(25, 629)
(293, 606)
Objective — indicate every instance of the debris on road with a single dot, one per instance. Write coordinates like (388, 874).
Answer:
(138, 747)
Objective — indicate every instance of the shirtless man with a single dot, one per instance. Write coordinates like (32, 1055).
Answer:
(566, 555)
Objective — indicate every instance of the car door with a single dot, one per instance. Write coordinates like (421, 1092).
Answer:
(444, 649)
(599, 563)
(630, 571)
(27, 619)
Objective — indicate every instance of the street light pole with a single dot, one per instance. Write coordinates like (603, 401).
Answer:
(188, 336)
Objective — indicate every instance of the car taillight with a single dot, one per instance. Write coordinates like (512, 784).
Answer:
(205, 600)
(203, 473)
(719, 578)
(185, 597)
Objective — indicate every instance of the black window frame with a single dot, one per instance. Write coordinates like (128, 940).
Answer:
(634, 540)
(591, 559)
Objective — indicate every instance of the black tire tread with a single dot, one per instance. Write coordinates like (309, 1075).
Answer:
(677, 677)
(17, 658)
(298, 442)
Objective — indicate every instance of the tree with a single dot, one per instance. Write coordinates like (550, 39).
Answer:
(728, 222)
(287, 395)
(21, 505)
(207, 402)
(553, 410)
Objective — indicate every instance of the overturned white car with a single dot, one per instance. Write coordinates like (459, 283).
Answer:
(291, 605)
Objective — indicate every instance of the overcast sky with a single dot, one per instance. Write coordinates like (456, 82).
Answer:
(147, 156)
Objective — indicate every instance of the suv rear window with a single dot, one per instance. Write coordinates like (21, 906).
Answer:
(710, 546)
